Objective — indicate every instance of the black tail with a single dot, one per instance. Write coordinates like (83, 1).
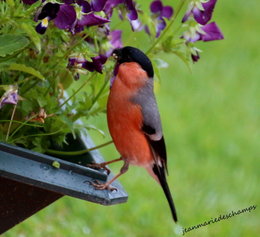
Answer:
(160, 173)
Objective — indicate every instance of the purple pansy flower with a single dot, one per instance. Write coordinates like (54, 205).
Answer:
(129, 4)
(98, 5)
(132, 13)
(10, 96)
(195, 56)
(204, 31)
(208, 32)
(47, 13)
(137, 25)
(202, 12)
(160, 12)
(95, 65)
(66, 17)
(212, 32)
(76, 62)
(97, 62)
(83, 17)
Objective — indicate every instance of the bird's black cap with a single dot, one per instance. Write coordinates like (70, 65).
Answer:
(131, 54)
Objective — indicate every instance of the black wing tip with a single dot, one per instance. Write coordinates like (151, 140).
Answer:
(160, 173)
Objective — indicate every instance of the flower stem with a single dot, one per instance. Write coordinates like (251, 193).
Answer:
(77, 91)
(74, 45)
(76, 153)
(16, 121)
(10, 124)
(38, 135)
(99, 93)
(171, 22)
(23, 124)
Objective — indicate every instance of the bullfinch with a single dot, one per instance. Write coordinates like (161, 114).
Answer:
(134, 120)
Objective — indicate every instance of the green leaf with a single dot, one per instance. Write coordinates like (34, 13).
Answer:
(66, 78)
(24, 68)
(5, 64)
(10, 44)
(33, 35)
(92, 127)
(10, 3)
(184, 57)
(33, 7)
(156, 69)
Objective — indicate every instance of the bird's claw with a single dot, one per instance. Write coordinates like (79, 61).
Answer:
(99, 166)
(102, 186)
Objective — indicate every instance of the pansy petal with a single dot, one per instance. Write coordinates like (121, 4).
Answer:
(203, 17)
(72, 62)
(65, 17)
(42, 26)
(116, 38)
(132, 15)
(89, 66)
(212, 32)
(75, 61)
(195, 57)
(84, 5)
(191, 37)
(101, 58)
(156, 6)
(98, 5)
(76, 28)
(10, 97)
(160, 26)
(92, 20)
(110, 5)
(49, 10)
(136, 25)
(96, 64)
(167, 12)
(132, 12)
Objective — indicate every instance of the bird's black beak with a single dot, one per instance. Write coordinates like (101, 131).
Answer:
(115, 56)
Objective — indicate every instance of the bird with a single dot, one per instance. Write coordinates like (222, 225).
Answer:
(134, 120)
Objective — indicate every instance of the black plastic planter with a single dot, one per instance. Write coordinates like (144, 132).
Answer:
(29, 181)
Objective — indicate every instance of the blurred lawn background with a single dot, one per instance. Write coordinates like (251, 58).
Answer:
(211, 120)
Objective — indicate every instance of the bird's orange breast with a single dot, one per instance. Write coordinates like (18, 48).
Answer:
(125, 118)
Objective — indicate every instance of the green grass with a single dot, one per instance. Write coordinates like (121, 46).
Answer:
(211, 121)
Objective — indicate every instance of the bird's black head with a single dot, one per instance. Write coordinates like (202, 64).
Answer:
(131, 54)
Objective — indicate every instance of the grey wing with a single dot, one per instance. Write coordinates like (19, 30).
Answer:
(153, 129)
(151, 121)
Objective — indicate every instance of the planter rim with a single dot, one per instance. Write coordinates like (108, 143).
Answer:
(70, 179)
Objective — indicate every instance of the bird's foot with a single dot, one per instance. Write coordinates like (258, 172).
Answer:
(103, 186)
(99, 166)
